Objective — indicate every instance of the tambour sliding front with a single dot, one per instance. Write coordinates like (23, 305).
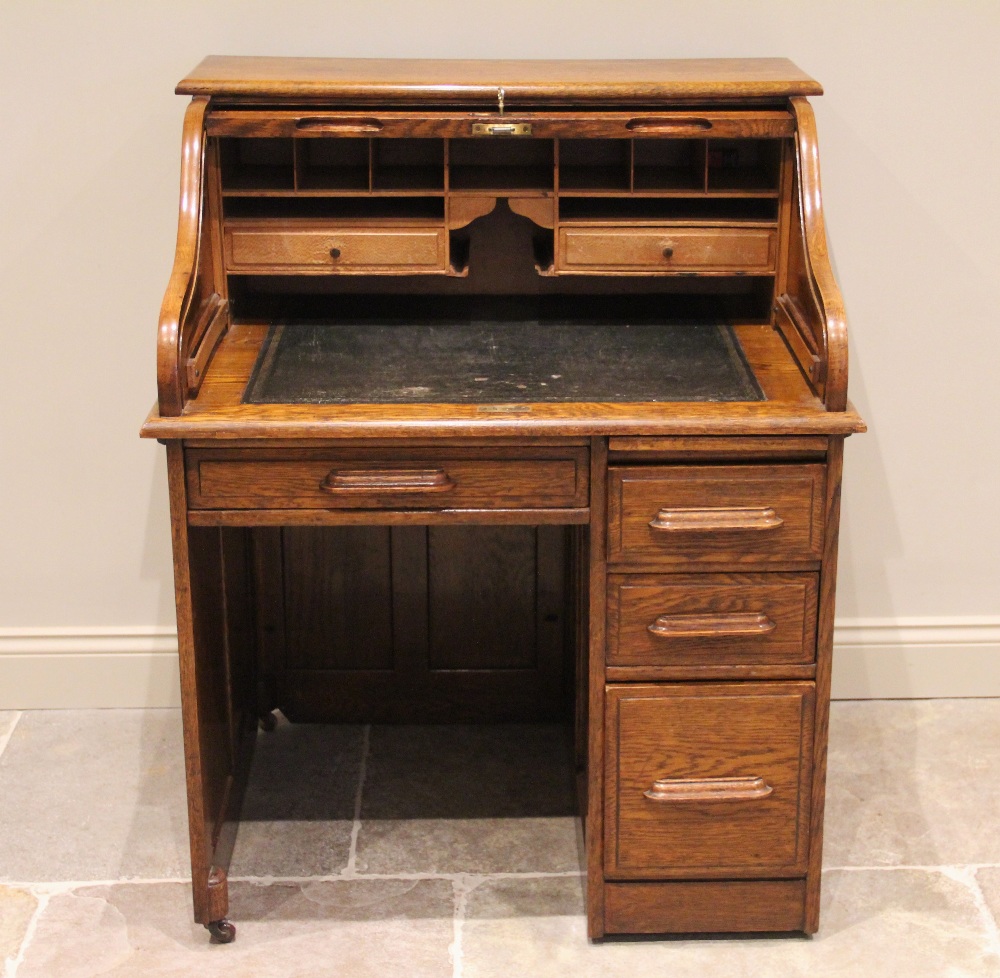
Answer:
(517, 391)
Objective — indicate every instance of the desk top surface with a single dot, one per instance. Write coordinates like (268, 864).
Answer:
(361, 80)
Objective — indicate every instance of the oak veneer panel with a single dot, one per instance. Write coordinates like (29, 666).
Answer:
(658, 735)
(712, 619)
(330, 249)
(368, 80)
(732, 906)
(432, 480)
(338, 597)
(715, 514)
(482, 597)
(667, 249)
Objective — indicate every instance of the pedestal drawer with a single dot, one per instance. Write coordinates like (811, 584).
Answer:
(712, 619)
(708, 781)
(319, 480)
(715, 514)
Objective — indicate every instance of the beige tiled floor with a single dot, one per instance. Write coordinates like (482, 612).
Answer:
(454, 852)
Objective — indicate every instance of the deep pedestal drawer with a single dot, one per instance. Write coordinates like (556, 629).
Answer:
(708, 781)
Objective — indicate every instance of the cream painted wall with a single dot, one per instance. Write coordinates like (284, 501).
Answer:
(90, 134)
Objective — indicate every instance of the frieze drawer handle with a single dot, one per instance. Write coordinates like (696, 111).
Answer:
(740, 625)
(387, 480)
(708, 789)
(723, 518)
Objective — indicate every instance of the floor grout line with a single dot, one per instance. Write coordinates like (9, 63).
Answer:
(968, 876)
(462, 888)
(349, 871)
(12, 965)
(5, 739)
(917, 867)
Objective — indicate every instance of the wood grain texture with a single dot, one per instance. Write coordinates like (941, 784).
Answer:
(669, 732)
(638, 603)
(367, 562)
(469, 479)
(597, 736)
(180, 289)
(667, 249)
(637, 495)
(735, 906)
(364, 80)
(822, 292)
(824, 664)
(307, 249)
(442, 123)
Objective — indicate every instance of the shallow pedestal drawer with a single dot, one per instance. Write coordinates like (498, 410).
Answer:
(712, 619)
(715, 514)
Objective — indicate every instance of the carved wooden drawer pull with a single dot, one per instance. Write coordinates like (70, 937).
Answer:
(669, 125)
(738, 625)
(387, 480)
(708, 789)
(333, 124)
(724, 518)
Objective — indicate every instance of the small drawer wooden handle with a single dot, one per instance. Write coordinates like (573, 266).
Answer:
(708, 789)
(334, 253)
(668, 251)
(387, 480)
(668, 125)
(716, 519)
(337, 125)
(740, 625)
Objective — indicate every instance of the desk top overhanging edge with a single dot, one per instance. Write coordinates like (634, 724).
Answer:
(413, 80)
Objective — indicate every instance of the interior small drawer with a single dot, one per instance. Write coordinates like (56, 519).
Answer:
(733, 514)
(266, 480)
(708, 781)
(666, 249)
(711, 619)
(335, 248)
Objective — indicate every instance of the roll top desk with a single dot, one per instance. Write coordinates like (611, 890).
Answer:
(509, 391)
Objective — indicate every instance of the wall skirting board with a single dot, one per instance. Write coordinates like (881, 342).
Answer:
(132, 666)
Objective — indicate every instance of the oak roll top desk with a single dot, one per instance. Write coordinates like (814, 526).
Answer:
(513, 390)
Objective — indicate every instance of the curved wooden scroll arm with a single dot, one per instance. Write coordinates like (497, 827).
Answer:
(824, 291)
(181, 287)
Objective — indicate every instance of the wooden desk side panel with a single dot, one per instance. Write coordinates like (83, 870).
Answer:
(211, 576)
(177, 299)
(813, 308)
(824, 665)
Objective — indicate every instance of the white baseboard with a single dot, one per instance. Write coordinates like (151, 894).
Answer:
(916, 658)
(74, 668)
(78, 668)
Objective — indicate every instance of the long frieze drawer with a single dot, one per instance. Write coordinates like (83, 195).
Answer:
(715, 514)
(666, 249)
(712, 619)
(708, 780)
(432, 482)
(334, 248)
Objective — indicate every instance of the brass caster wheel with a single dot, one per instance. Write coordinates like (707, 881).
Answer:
(222, 931)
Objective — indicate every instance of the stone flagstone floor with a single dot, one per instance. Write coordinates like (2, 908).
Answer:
(453, 851)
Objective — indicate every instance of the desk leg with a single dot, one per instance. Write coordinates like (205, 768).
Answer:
(215, 635)
(594, 677)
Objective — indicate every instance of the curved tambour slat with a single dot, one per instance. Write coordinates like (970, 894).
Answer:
(181, 287)
(825, 291)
